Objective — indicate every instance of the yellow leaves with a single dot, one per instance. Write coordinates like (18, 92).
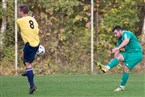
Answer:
(87, 13)
(78, 18)
(50, 11)
(128, 1)
(52, 18)
(62, 36)
(86, 7)
(109, 52)
(48, 34)
(114, 10)
(43, 15)
(104, 45)
(88, 24)
(109, 29)
(62, 30)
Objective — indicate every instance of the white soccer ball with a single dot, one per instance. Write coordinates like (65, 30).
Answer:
(41, 50)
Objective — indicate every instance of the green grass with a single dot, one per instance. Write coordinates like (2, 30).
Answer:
(101, 85)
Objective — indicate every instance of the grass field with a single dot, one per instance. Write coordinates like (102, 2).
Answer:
(101, 85)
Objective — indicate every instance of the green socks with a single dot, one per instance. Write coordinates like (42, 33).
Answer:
(113, 63)
(125, 77)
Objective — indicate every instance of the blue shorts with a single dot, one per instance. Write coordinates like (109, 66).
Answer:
(29, 53)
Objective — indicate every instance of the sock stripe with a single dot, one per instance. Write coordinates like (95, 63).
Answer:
(29, 69)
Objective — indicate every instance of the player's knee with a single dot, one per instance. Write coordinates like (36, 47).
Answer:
(126, 69)
(119, 57)
(116, 54)
(28, 65)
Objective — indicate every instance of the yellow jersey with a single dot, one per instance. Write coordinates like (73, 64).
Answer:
(29, 30)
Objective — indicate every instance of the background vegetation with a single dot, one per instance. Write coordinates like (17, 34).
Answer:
(65, 33)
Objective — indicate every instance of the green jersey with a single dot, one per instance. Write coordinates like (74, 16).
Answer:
(133, 45)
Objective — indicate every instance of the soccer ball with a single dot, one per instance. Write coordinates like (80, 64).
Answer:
(41, 50)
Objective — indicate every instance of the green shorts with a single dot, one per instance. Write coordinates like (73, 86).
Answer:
(132, 59)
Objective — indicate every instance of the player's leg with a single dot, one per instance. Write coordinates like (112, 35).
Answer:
(30, 76)
(125, 76)
(124, 79)
(117, 57)
(112, 63)
(29, 57)
(131, 60)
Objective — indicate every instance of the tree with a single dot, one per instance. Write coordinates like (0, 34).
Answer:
(143, 22)
(3, 24)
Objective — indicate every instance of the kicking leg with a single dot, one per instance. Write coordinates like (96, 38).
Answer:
(112, 63)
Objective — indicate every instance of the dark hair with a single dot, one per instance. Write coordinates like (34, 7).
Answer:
(24, 8)
(117, 28)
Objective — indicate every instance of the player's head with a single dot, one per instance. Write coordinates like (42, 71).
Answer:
(23, 10)
(117, 31)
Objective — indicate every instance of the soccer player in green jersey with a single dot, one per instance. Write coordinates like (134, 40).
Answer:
(130, 57)
(29, 33)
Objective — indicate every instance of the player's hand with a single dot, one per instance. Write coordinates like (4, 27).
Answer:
(114, 50)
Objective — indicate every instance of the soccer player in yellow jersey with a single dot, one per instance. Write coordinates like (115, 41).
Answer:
(29, 33)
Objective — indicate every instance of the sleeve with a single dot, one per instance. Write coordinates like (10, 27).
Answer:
(126, 36)
(18, 22)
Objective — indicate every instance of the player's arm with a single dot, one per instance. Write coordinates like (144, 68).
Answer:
(18, 23)
(123, 44)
